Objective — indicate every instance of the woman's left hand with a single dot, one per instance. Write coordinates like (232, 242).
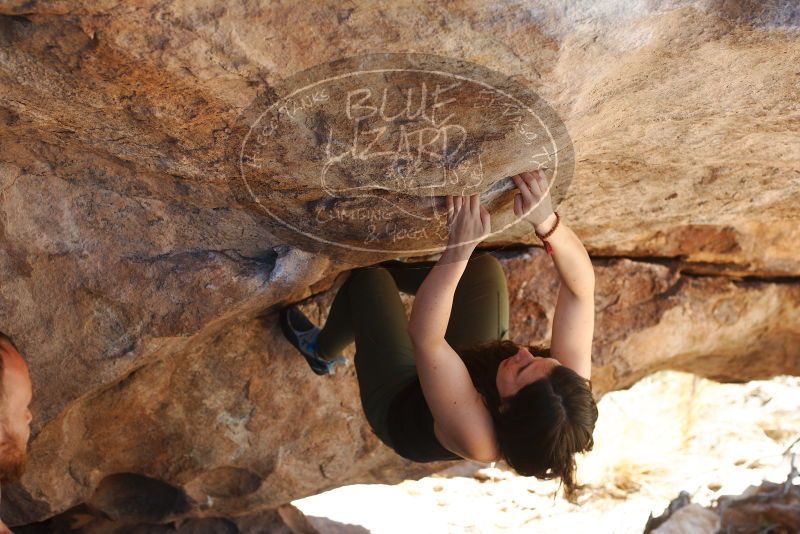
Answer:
(468, 221)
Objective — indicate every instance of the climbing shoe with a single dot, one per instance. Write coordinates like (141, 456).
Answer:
(302, 333)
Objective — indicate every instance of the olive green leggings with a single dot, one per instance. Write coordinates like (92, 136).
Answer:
(368, 310)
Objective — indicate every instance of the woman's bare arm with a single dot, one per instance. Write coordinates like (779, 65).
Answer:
(573, 319)
(433, 301)
(461, 420)
(570, 257)
(460, 417)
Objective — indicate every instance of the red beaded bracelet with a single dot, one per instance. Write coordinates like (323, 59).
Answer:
(544, 237)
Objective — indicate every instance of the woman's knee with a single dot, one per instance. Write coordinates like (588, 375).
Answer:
(485, 267)
(370, 276)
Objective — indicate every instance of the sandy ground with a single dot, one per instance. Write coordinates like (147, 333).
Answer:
(669, 432)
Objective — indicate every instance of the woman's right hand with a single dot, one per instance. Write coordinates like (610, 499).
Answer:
(533, 199)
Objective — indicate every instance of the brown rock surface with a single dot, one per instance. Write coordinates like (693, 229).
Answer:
(286, 519)
(142, 283)
(767, 506)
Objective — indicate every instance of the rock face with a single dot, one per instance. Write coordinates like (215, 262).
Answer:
(144, 252)
(769, 503)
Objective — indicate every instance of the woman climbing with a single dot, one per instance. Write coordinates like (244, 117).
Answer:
(448, 383)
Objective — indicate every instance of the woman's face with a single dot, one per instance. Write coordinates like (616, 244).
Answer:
(521, 369)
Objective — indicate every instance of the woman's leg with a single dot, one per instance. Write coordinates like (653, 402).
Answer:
(338, 333)
(368, 310)
(480, 304)
(408, 276)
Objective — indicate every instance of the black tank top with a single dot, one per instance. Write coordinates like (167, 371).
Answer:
(410, 423)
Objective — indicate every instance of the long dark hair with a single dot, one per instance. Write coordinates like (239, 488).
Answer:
(545, 423)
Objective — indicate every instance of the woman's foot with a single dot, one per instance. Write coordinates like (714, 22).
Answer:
(302, 333)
